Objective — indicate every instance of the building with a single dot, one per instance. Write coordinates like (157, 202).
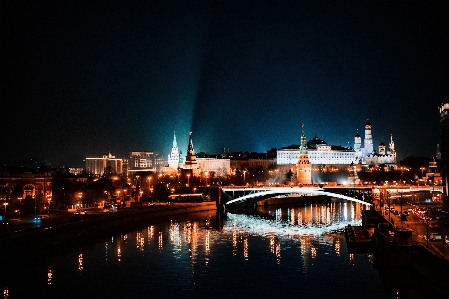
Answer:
(174, 159)
(190, 162)
(24, 189)
(106, 164)
(243, 160)
(141, 160)
(303, 165)
(367, 156)
(444, 146)
(217, 164)
(319, 152)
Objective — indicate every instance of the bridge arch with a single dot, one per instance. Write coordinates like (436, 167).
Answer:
(265, 192)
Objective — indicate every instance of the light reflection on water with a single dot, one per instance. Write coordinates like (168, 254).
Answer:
(287, 251)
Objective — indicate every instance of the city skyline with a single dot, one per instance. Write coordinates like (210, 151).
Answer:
(85, 79)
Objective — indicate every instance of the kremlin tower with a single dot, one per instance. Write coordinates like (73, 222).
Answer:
(173, 158)
(190, 162)
(303, 166)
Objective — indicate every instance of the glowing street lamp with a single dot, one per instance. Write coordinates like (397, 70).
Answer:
(20, 206)
(5, 204)
(49, 200)
(207, 174)
(244, 173)
(188, 180)
(149, 182)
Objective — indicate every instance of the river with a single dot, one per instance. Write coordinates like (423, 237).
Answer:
(274, 252)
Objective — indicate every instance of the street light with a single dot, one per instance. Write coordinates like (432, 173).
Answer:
(5, 204)
(244, 178)
(188, 180)
(49, 200)
(20, 206)
(207, 174)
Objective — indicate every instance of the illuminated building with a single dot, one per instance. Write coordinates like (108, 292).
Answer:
(328, 157)
(35, 187)
(444, 146)
(107, 164)
(216, 164)
(320, 153)
(303, 165)
(384, 157)
(174, 159)
(142, 162)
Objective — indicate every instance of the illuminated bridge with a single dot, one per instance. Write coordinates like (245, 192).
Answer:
(243, 195)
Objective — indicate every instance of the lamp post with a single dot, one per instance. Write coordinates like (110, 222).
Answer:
(422, 171)
(207, 174)
(5, 204)
(49, 200)
(244, 177)
(80, 195)
(188, 180)
(20, 206)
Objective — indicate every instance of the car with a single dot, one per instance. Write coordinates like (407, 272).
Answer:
(38, 218)
(6, 223)
(395, 212)
(435, 237)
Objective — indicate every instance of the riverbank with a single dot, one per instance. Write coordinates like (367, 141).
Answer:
(67, 230)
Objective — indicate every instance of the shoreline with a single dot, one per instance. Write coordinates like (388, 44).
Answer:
(56, 236)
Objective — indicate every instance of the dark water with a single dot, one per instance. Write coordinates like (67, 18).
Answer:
(280, 252)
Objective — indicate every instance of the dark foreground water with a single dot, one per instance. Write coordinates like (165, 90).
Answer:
(280, 252)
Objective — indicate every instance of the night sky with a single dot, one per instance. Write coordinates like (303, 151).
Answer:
(84, 78)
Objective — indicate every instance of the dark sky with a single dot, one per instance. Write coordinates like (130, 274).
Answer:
(84, 78)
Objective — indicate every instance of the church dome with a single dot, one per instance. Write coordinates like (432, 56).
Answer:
(315, 141)
(367, 125)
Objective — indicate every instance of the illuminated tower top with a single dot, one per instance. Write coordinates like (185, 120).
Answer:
(368, 142)
(303, 147)
(391, 145)
(173, 158)
(357, 143)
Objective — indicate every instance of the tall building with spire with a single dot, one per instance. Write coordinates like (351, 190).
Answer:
(368, 142)
(190, 162)
(174, 160)
(304, 166)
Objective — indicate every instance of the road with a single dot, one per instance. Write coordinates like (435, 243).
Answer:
(420, 230)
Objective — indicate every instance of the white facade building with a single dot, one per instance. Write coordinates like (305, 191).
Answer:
(319, 153)
(367, 156)
(210, 163)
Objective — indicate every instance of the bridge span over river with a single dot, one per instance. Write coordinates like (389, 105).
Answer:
(360, 194)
